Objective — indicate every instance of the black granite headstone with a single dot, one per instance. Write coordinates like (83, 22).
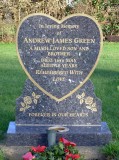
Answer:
(58, 58)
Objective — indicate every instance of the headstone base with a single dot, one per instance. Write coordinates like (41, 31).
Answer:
(82, 136)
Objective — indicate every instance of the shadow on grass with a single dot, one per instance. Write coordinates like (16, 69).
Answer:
(105, 73)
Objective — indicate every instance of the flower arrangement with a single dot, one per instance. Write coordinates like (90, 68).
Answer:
(63, 150)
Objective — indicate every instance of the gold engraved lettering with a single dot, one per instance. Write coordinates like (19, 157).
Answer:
(57, 79)
(59, 54)
(53, 26)
(70, 65)
(26, 40)
(46, 60)
(70, 60)
(59, 60)
(38, 40)
(49, 40)
(71, 48)
(51, 72)
(37, 48)
(54, 114)
(39, 114)
(75, 72)
(84, 48)
(72, 114)
(59, 33)
(60, 41)
(82, 114)
(67, 114)
(41, 26)
(54, 48)
(60, 114)
(79, 40)
(48, 65)
(69, 26)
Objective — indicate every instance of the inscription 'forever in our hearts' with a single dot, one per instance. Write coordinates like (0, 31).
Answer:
(59, 56)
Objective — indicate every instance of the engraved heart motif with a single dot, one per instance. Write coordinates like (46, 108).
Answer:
(59, 56)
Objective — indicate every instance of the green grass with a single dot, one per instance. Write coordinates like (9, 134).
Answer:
(105, 79)
(2, 157)
(111, 151)
(12, 79)
(106, 82)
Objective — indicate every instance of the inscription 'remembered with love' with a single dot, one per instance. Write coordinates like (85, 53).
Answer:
(59, 56)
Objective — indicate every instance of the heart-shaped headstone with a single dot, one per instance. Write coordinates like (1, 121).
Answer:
(58, 56)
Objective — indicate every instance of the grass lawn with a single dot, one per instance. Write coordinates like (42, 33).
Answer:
(105, 78)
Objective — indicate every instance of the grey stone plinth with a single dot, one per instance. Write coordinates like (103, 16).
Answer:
(88, 137)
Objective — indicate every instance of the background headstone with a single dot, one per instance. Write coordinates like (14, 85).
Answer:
(58, 58)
